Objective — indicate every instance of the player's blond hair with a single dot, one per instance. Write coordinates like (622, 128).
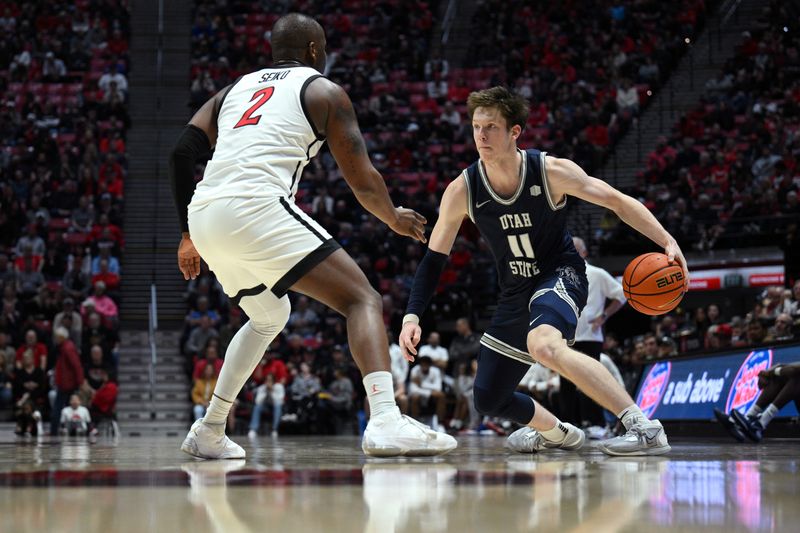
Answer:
(512, 106)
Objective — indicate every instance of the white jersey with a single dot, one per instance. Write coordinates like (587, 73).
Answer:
(265, 137)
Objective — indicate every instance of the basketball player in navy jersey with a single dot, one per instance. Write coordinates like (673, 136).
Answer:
(516, 198)
(243, 221)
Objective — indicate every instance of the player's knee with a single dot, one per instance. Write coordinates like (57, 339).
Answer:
(542, 345)
(366, 297)
(488, 403)
(267, 317)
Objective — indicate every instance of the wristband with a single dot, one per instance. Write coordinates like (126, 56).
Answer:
(410, 317)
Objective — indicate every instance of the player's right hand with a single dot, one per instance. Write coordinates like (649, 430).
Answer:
(409, 223)
(409, 338)
(188, 258)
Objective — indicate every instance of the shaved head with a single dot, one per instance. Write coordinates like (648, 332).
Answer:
(298, 37)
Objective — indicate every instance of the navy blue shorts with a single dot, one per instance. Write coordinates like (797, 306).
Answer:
(556, 298)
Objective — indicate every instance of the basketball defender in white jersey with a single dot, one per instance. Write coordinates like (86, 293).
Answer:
(243, 221)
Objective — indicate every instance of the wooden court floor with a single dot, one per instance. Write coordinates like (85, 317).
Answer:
(325, 484)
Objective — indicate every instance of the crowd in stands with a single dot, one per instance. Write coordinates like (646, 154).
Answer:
(63, 161)
(588, 68)
(728, 176)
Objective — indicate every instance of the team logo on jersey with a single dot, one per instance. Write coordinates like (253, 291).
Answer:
(649, 397)
(536, 190)
(569, 274)
(744, 387)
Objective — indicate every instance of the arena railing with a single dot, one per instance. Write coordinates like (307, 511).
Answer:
(152, 331)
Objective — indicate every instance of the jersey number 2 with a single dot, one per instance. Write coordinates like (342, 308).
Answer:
(248, 119)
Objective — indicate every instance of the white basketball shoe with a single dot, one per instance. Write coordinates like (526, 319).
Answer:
(390, 434)
(645, 437)
(206, 441)
(528, 440)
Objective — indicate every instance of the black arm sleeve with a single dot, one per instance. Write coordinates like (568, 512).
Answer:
(191, 145)
(425, 281)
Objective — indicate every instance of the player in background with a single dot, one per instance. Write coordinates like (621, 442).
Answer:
(243, 221)
(779, 385)
(516, 198)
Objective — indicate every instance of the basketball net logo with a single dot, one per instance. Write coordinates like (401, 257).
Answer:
(744, 387)
(649, 397)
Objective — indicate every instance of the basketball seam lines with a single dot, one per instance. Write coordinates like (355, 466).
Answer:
(649, 275)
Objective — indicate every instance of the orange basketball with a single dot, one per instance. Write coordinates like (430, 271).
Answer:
(653, 286)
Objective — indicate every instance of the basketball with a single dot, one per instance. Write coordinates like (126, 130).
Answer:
(652, 285)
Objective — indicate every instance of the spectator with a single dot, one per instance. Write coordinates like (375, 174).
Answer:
(28, 421)
(53, 69)
(29, 383)
(199, 336)
(756, 333)
(203, 310)
(437, 353)
(305, 384)
(782, 330)
(76, 282)
(464, 411)
(211, 359)
(101, 303)
(8, 276)
(202, 391)
(465, 345)
(650, 345)
(76, 328)
(29, 280)
(303, 319)
(31, 241)
(341, 399)
(68, 375)
(628, 99)
(426, 387)
(399, 374)
(104, 399)
(271, 392)
(107, 277)
(75, 418)
(105, 254)
(38, 349)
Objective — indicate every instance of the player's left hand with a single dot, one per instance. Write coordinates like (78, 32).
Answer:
(675, 255)
(188, 258)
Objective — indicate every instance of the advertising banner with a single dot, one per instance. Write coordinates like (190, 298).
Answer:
(690, 389)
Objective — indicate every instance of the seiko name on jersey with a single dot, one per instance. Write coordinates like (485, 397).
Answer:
(274, 76)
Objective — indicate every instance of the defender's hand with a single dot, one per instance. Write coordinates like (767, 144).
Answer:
(188, 258)
(409, 223)
(409, 338)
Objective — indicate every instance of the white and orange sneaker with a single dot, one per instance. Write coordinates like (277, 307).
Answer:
(206, 441)
(390, 434)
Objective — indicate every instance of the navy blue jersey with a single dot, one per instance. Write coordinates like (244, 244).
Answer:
(527, 232)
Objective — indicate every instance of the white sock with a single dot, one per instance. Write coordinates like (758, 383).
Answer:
(754, 411)
(631, 415)
(380, 392)
(768, 414)
(244, 352)
(556, 434)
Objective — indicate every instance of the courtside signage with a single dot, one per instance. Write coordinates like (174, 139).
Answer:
(690, 389)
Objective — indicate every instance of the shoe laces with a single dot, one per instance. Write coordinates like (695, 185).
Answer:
(417, 424)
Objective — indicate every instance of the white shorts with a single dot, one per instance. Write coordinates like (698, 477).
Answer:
(253, 245)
